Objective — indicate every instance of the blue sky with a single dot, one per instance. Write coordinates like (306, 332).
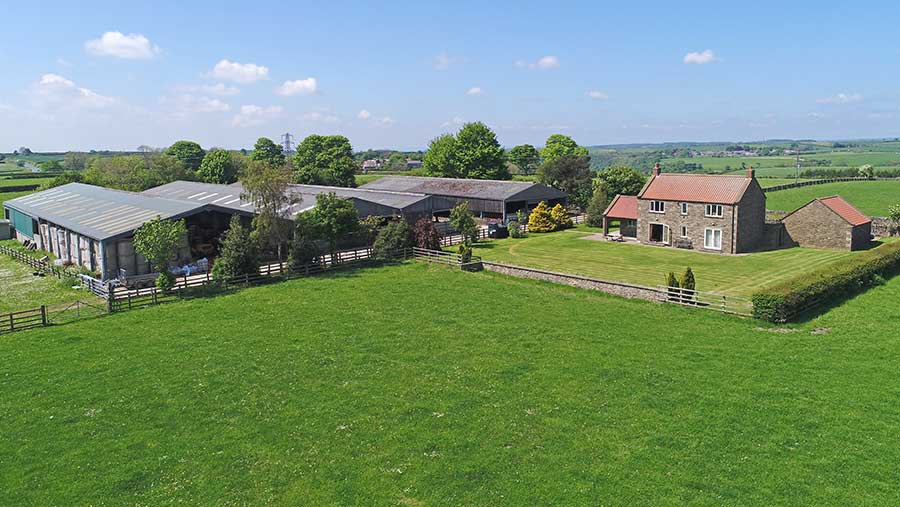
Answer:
(106, 75)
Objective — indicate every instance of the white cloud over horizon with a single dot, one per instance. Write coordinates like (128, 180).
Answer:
(700, 57)
(597, 94)
(308, 86)
(133, 46)
(841, 98)
(543, 63)
(241, 73)
(475, 90)
(218, 89)
(53, 90)
(364, 115)
(252, 115)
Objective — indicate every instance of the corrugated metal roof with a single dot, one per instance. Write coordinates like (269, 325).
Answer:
(623, 206)
(498, 190)
(97, 212)
(845, 210)
(696, 188)
(229, 196)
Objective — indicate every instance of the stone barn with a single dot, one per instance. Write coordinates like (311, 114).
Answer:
(828, 222)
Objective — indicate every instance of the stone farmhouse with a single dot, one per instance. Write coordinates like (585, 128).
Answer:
(727, 214)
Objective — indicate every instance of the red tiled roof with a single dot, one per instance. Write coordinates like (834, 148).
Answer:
(696, 188)
(845, 210)
(623, 206)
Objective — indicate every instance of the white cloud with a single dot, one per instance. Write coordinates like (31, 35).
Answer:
(187, 103)
(133, 46)
(251, 115)
(364, 115)
(475, 90)
(53, 90)
(543, 63)
(244, 73)
(381, 121)
(219, 89)
(443, 61)
(385, 121)
(841, 98)
(455, 121)
(597, 94)
(320, 117)
(306, 86)
(700, 57)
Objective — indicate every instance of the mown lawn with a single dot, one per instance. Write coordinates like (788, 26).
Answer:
(570, 252)
(8, 196)
(20, 289)
(420, 385)
(871, 197)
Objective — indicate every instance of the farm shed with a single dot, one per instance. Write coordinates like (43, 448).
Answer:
(92, 226)
(487, 198)
(828, 222)
(623, 208)
(411, 206)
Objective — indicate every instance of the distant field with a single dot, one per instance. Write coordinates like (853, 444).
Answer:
(15, 182)
(569, 252)
(362, 179)
(785, 166)
(871, 197)
(509, 393)
(7, 196)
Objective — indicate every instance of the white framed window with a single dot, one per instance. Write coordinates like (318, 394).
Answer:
(714, 210)
(657, 206)
(683, 231)
(684, 208)
(712, 239)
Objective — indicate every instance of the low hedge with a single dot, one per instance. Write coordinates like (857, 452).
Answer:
(788, 299)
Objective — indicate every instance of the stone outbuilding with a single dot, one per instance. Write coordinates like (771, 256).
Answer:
(828, 222)
(624, 209)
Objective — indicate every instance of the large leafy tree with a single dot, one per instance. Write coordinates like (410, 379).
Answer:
(220, 166)
(622, 180)
(559, 145)
(595, 208)
(325, 160)
(441, 158)
(136, 173)
(188, 152)
(237, 254)
(304, 245)
(479, 153)
(158, 241)
(265, 150)
(426, 234)
(267, 187)
(392, 239)
(571, 174)
(336, 218)
(525, 157)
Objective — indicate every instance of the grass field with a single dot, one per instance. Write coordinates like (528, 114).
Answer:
(428, 386)
(362, 179)
(871, 197)
(8, 196)
(21, 290)
(569, 252)
(14, 182)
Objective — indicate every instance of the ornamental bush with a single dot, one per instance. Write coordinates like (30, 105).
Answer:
(540, 219)
(561, 219)
(688, 284)
(672, 286)
(392, 238)
(426, 234)
(237, 254)
(793, 297)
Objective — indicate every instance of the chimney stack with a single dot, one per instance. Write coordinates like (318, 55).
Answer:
(656, 169)
(750, 172)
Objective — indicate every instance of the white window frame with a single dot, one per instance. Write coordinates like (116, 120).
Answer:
(659, 205)
(684, 208)
(684, 233)
(706, 238)
(711, 208)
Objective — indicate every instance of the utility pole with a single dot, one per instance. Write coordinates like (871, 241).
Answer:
(797, 176)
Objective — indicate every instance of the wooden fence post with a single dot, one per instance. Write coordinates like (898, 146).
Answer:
(43, 316)
(12, 323)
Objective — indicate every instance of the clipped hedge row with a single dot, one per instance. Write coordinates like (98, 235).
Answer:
(787, 300)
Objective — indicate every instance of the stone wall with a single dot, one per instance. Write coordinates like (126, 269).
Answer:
(618, 289)
(816, 226)
(751, 220)
(695, 222)
(881, 227)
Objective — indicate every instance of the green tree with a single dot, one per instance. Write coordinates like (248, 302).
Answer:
(325, 160)
(305, 243)
(265, 150)
(75, 161)
(158, 241)
(866, 171)
(462, 220)
(267, 187)
(672, 286)
(526, 157)
(188, 152)
(392, 239)
(336, 217)
(237, 253)
(441, 158)
(63, 179)
(622, 180)
(540, 219)
(688, 284)
(560, 217)
(894, 218)
(572, 175)
(219, 166)
(598, 204)
(559, 145)
(136, 173)
(51, 166)
(479, 153)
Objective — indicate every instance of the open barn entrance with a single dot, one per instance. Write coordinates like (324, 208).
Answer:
(205, 231)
